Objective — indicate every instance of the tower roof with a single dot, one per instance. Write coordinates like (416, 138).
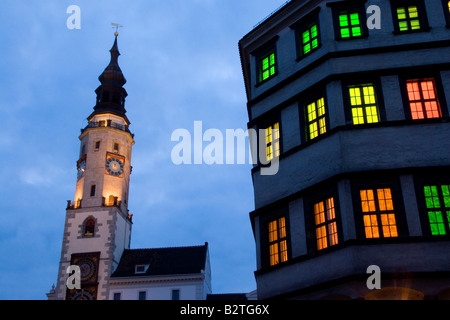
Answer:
(111, 94)
(113, 75)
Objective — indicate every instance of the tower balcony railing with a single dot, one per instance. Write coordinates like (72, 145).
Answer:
(111, 202)
(107, 124)
(74, 204)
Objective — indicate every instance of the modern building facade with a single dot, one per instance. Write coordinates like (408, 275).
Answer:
(354, 99)
(97, 231)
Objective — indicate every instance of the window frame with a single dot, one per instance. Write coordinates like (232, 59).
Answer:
(306, 23)
(378, 96)
(431, 179)
(349, 7)
(264, 221)
(315, 195)
(259, 54)
(304, 115)
(326, 223)
(445, 210)
(398, 208)
(446, 5)
(439, 90)
(268, 121)
(422, 16)
(278, 241)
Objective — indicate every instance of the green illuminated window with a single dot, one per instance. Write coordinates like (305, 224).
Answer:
(363, 104)
(267, 66)
(310, 39)
(315, 118)
(350, 25)
(437, 200)
(408, 18)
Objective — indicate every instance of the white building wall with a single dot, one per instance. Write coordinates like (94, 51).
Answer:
(189, 290)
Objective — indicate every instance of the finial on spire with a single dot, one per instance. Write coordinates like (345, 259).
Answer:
(117, 26)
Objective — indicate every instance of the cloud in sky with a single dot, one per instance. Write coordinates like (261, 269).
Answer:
(181, 61)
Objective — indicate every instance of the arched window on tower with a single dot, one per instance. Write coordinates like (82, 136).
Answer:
(89, 227)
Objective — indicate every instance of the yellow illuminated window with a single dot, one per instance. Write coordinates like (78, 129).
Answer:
(277, 241)
(378, 213)
(273, 141)
(315, 114)
(325, 221)
(408, 18)
(363, 104)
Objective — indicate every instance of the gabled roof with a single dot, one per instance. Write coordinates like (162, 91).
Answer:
(163, 261)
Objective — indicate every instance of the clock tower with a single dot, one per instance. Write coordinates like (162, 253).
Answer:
(98, 225)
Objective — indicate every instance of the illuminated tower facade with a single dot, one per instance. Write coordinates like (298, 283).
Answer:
(354, 98)
(98, 225)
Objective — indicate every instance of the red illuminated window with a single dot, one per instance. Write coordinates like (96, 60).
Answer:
(423, 101)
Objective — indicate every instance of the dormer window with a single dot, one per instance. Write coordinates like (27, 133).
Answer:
(141, 268)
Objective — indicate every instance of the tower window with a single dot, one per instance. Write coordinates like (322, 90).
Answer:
(92, 194)
(315, 119)
(363, 104)
(97, 145)
(89, 227)
(378, 213)
(326, 226)
(267, 66)
(277, 241)
(437, 200)
(116, 147)
(273, 141)
(423, 101)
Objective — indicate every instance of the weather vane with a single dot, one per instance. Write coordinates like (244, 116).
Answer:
(117, 26)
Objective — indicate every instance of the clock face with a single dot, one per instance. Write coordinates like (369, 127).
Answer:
(114, 166)
(82, 295)
(81, 169)
(87, 269)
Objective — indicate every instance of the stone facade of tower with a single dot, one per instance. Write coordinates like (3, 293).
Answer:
(98, 226)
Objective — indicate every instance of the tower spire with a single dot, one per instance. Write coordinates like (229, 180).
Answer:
(111, 94)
